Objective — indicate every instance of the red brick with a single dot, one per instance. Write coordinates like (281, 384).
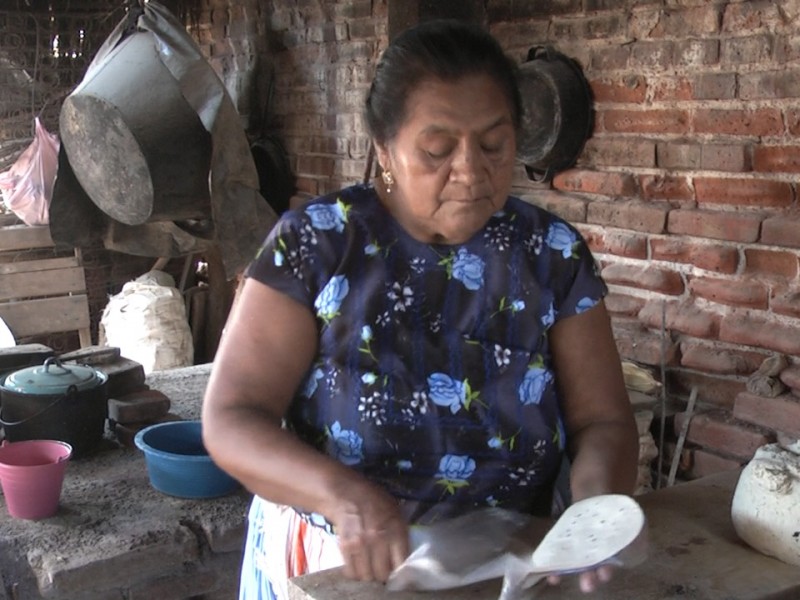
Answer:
(776, 159)
(638, 216)
(786, 301)
(632, 88)
(709, 357)
(714, 86)
(717, 431)
(645, 121)
(315, 165)
(757, 122)
(782, 83)
(645, 277)
(751, 294)
(711, 257)
(672, 89)
(605, 58)
(566, 206)
(769, 263)
(307, 185)
(717, 390)
(601, 26)
(755, 15)
(620, 243)
(689, 22)
(790, 377)
(666, 187)
(685, 317)
(696, 52)
(743, 192)
(138, 407)
(708, 463)
(781, 413)
(656, 56)
(595, 182)
(781, 231)
(753, 49)
(726, 157)
(735, 227)
(643, 346)
(613, 151)
(793, 120)
(757, 329)
(678, 155)
(623, 304)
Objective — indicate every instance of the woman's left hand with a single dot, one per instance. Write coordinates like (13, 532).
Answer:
(588, 580)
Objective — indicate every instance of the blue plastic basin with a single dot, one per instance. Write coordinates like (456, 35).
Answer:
(178, 463)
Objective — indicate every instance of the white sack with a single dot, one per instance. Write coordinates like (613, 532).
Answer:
(147, 322)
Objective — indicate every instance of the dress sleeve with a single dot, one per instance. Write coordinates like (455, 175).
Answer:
(284, 261)
(580, 287)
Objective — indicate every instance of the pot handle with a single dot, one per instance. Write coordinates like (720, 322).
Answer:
(71, 393)
(538, 175)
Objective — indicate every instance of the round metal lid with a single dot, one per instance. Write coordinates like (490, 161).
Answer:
(53, 378)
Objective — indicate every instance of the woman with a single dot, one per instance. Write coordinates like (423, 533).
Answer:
(420, 347)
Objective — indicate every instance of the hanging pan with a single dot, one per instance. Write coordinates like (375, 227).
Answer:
(557, 114)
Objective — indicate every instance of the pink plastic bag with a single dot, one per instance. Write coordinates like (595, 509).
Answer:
(28, 185)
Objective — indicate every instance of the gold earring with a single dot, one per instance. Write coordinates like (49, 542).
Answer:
(388, 180)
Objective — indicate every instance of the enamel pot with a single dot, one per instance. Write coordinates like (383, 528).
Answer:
(557, 114)
(54, 401)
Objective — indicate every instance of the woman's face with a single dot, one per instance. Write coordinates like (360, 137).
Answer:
(452, 159)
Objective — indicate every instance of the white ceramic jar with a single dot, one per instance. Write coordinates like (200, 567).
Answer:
(766, 503)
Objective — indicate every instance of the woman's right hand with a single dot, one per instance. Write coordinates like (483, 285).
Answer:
(372, 533)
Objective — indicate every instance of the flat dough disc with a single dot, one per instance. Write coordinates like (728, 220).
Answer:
(588, 533)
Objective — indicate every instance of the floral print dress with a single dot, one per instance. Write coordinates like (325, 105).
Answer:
(434, 374)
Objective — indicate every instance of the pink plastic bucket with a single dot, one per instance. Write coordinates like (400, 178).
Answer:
(31, 476)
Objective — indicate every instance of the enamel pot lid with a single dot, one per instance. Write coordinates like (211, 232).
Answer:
(53, 378)
(557, 116)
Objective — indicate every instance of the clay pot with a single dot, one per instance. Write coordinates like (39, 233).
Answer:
(766, 504)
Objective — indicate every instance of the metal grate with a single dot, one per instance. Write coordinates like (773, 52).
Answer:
(45, 47)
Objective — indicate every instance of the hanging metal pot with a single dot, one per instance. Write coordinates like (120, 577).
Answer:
(557, 114)
(54, 401)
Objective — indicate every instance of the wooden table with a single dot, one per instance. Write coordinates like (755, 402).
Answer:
(694, 554)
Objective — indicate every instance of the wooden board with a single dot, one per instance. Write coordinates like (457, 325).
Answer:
(24, 237)
(694, 554)
(26, 318)
(42, 283)
(41, 296)
(46, 264)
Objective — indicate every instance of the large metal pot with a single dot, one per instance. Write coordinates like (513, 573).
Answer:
(54, 401)
(557, 114)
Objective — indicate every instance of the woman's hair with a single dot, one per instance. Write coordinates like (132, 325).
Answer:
(447, 50)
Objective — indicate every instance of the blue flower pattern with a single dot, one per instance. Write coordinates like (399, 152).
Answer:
(447, 392)
(454, 470)
(348, 445)
(328, 216)
(331, 297)
(562, 238)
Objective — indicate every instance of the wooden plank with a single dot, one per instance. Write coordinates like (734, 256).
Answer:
(42, 283)
(46, 315)
(25, 237)
(46, 264)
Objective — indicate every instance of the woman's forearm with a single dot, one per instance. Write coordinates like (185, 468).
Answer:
(273, 462)
(604, 459)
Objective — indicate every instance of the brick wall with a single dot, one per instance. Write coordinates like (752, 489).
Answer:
(686, 192)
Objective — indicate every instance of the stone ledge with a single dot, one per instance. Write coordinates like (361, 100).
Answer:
(114, 535)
